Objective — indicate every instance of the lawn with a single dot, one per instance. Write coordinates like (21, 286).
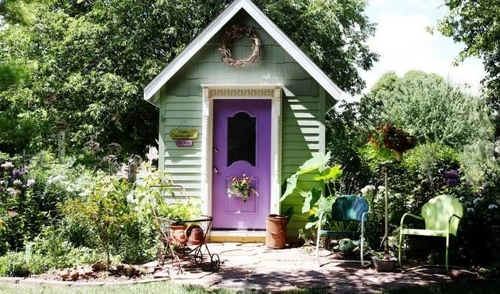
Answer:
(476, 287)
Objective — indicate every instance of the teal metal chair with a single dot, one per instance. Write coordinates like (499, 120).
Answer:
(441, 216)
(349, 208)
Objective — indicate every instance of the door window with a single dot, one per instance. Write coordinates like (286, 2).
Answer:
(241, 138)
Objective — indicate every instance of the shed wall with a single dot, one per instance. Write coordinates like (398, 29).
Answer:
(181, 106)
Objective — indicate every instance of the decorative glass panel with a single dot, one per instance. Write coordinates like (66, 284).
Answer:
(241, 138)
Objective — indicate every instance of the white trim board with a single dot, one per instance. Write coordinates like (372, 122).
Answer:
(207, 142)
(215, 26)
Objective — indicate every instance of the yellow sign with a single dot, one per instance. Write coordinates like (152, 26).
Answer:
(186, 134)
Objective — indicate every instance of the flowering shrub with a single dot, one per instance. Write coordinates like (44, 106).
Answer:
(479, 231)
(16, 193)
(241, 187)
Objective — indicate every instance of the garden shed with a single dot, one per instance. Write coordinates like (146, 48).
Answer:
(241, 100)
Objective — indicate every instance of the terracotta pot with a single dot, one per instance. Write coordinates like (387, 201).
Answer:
(195, 235)
(178, 234)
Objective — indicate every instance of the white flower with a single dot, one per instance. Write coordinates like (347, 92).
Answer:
(17, 182)
(381, 188)
(130, 198)
(152, 153)
(368, 190)
(30, 182)
(492, 206)
(13, 192)
(55, 179)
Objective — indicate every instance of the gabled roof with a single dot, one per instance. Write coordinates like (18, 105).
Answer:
(197, 44)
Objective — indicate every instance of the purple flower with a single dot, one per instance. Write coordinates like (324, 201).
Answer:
(452, 182)
(451, 174)
(452, 177)
(19, 172)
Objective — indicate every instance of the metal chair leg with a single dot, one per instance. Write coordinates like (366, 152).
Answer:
(399, 253)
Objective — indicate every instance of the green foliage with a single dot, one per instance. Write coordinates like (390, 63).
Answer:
(429, 108)
(315, 200)
(475, 24)
(344, 139)
(88, 61)
(14, 264)
(323, 29)
(105, 209)
(479, 162)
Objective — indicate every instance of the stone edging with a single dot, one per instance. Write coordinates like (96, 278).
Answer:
(39, 282)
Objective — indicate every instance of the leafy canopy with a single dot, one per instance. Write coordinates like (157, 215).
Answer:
(88, 61)
(476, 24)
(430, 108)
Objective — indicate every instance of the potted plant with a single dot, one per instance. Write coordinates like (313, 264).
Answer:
(384, 261)
(241, 187)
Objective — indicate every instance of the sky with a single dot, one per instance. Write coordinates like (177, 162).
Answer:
(404, 44)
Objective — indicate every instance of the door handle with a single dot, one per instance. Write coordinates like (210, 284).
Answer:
(216, 151)
(216, 171)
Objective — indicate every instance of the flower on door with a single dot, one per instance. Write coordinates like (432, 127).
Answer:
(241, 187)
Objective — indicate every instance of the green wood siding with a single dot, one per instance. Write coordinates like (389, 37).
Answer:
(301, 137)
(183, 164)
(302, 115)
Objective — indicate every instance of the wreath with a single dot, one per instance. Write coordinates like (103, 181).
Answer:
(233, 33)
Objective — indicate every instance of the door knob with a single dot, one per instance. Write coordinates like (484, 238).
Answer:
(216, 151)
(216, 170)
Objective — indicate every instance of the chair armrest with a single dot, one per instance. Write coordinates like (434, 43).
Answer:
(449, 221)
(411, 215)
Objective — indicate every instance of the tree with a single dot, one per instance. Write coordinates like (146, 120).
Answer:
(430, 108)
(475, 23)
(88, 62)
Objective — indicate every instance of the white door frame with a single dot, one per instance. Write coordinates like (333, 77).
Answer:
(214, 91)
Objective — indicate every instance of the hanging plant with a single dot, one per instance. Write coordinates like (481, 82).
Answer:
(241, 187)
(393, 138)
(233, 33)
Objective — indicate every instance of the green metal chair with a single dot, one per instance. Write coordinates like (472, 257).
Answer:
(441, 216)
(349, 208)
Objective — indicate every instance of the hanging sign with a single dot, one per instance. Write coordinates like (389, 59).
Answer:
(183, 143)
(187, 134)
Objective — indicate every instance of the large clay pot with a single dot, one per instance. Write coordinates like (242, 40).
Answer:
(276, 231)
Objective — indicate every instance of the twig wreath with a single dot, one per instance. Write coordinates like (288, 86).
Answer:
(233, 33)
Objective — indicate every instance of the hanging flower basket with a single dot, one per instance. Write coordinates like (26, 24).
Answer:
(393, 138)
(241, 187)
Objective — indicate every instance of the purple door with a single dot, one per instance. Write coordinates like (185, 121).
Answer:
(241, 146)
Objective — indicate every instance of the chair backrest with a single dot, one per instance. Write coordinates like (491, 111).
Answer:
(349, 208)
(438, 210)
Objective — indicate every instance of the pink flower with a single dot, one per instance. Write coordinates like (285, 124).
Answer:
(7, 165)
